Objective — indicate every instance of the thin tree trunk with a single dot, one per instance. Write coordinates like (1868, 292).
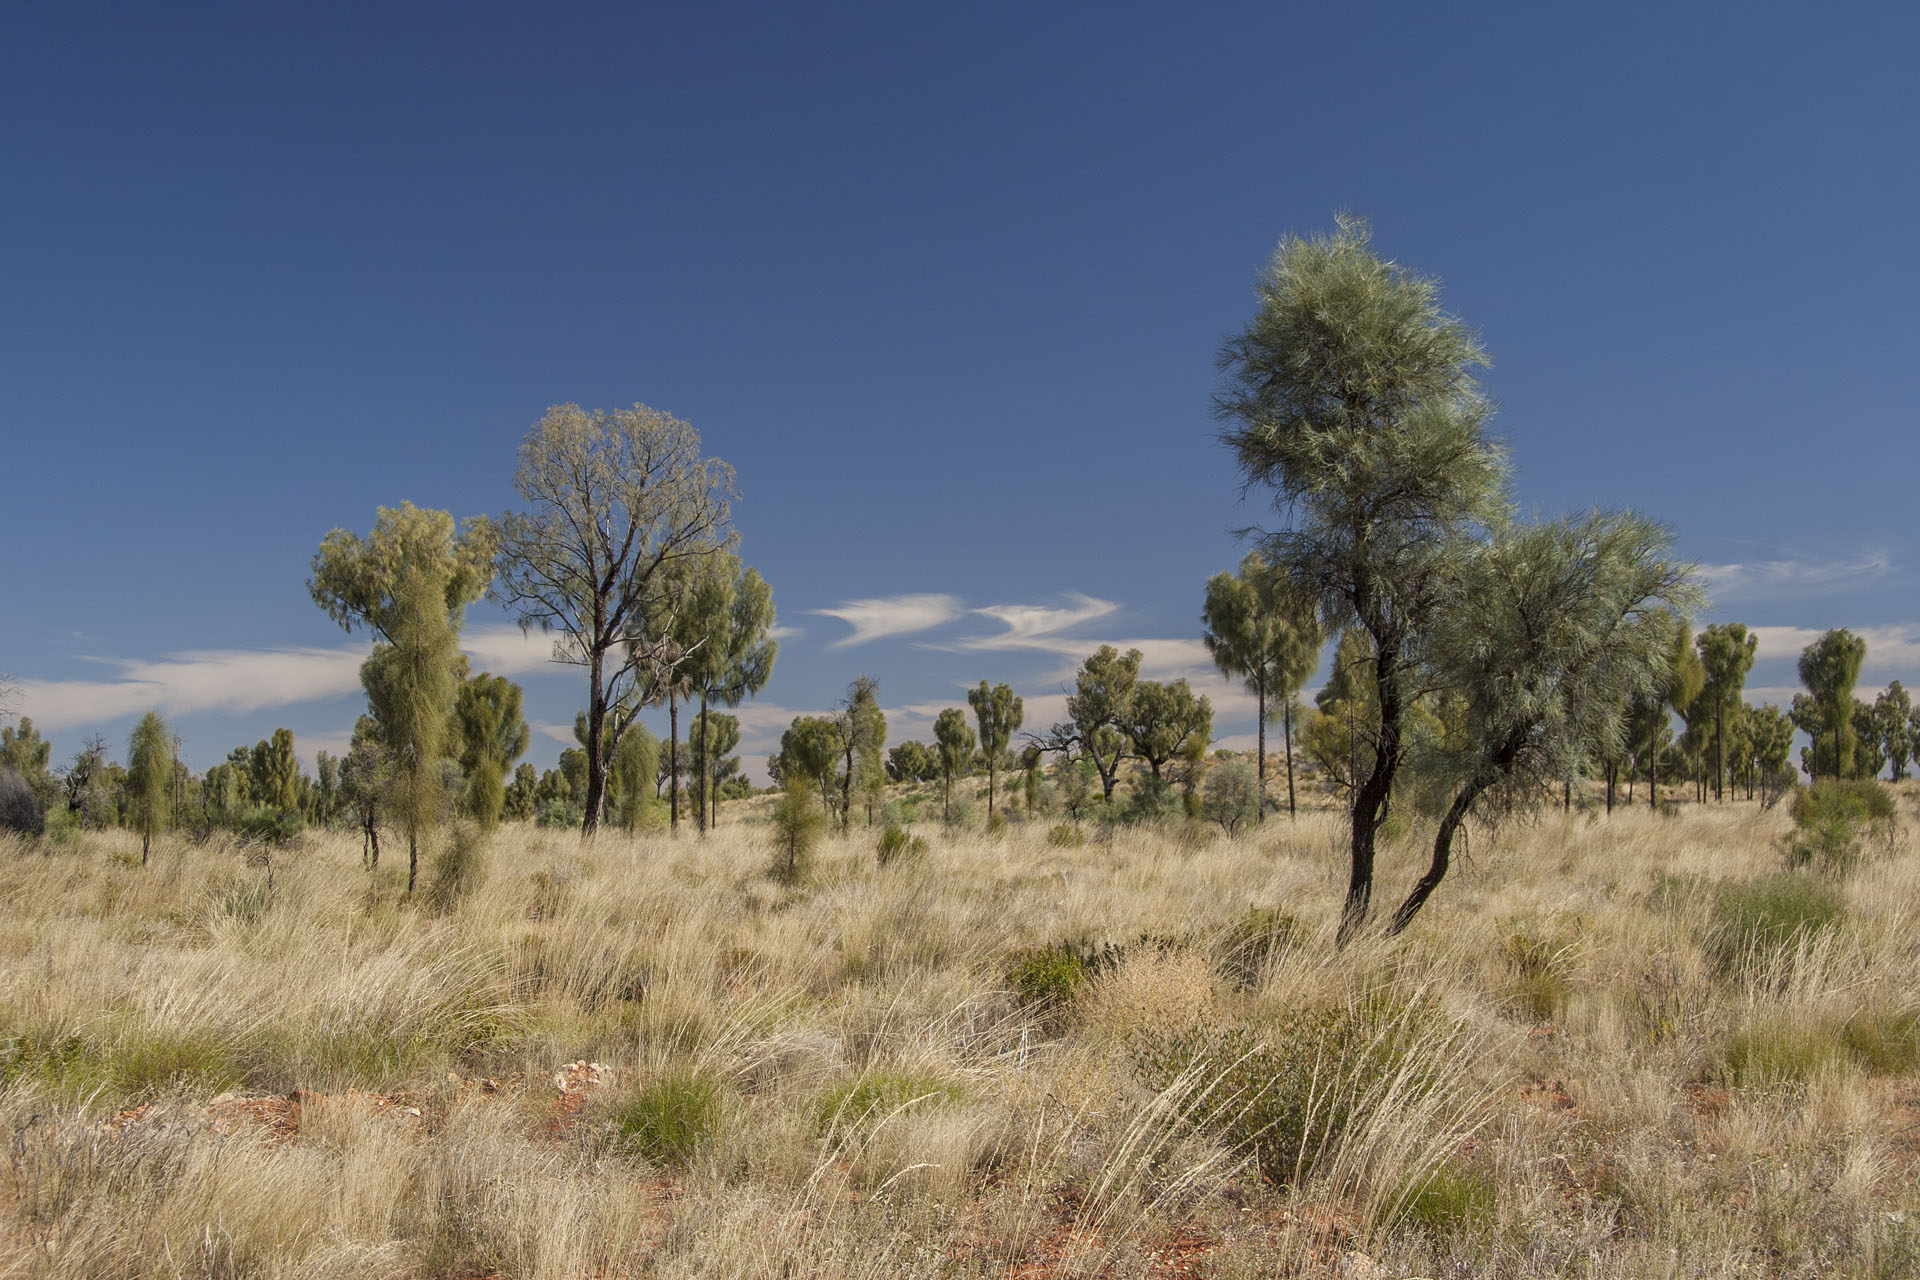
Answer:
(700, 762)
(413, 860)
(1371, 800)
(1260, 695)
(596, 767)
(673, 762)
(1442, 857)
(1286, 712)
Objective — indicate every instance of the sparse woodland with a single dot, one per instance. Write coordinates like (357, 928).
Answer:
(1088, 999)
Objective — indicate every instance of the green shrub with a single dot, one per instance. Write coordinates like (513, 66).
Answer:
(555, 815)
(1286, 1089)
(1066, 835)
(873, 1098)
(668, 1121)
(273, 828)
(1047, 980)
(1884, 1043)
(1784, 1050)
(895, 844)
(1454, 1200)
(458, 868)
(797, 823)
(1832, 818)
(1756, 921)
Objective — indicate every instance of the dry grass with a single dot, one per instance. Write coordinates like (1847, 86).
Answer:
(212, 1068)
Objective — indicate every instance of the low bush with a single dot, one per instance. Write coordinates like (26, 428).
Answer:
(668, 1121)
(1047, 980)
(896, 844)
(1756, 921)
(1832, 819)
(873, 1098)
(1286, 1089)
(1066, 835)
(1249, 944)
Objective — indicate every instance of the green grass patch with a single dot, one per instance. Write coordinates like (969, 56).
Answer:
(668, 1121)
(1454, 1200)
(873, 1098)
(1756, 921)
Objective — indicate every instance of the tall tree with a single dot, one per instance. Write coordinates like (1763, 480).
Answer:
(276, 772)
(410, 687)
(366, 776)
(1261, 626)
(633, 781)
(724, 629)
(955, 739)
(1351, 395)
(490, 734)
(616, 501)
(998, 712)
(712, 736)
(1551, 628)
(1726, 655)
(1892, 717)
(810, 749)
(1167, 722)
(1101, 701)
(863, 738)
(1829, 668)
(150, 778)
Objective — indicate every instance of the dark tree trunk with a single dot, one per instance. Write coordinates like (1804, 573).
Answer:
(673, 761)
(413, 861)
(1371, 799)
(1286, 713)
(700, 763)
(596, 766)
(1442, 857)
(1260, 695)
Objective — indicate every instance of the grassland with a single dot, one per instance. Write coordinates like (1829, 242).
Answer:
(1612, 1046)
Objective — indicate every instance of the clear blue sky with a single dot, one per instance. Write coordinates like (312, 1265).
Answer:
(943, 283)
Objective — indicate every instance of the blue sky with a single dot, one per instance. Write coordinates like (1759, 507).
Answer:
(943, 284)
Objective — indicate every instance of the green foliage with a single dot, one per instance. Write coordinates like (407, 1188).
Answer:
(1830, 819)
(1066, 835)
(270, 828)
(554, 815)
(150, 778)
(913, 762)
(1539, 964)
(1047, 980)
(797, 824)
(1260, 624)
(895, 843)
(1231, 795)
(623, 514)
(458, 868)
(1287, 1088)
(1456, 1199)
(1778, 1050)
(668, 1121)
(998, 712)
(951, 731)
(633, 782)
(810, 753)
(863, 1103)
(1829, 668)
(1167, 721)
(1755, 921)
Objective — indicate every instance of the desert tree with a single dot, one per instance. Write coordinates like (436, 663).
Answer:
(998, 712)
(1726, 655)
(275, 772)
(1350, 394)
(1167, 721)
(27, 753)
(713, 735)
(150, 778)
(955, 742)
(616, 501)
(1829, 668)
(862, 729)
(410, 687)
(1262, 627)
(811, 750)
(633, 781)
(366, 773)
(1869, 752)
(490, 734)
(1650, 711)
(1892, 722)
(724, 628)
(912, 762)
(1550, 627)
(1101, 700)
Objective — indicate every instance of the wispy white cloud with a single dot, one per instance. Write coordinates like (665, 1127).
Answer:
(1892, 650)
(1792, 575)
(783, 632)
(1032, 626)
(874, 619)
(506, 650)
(237, 680)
